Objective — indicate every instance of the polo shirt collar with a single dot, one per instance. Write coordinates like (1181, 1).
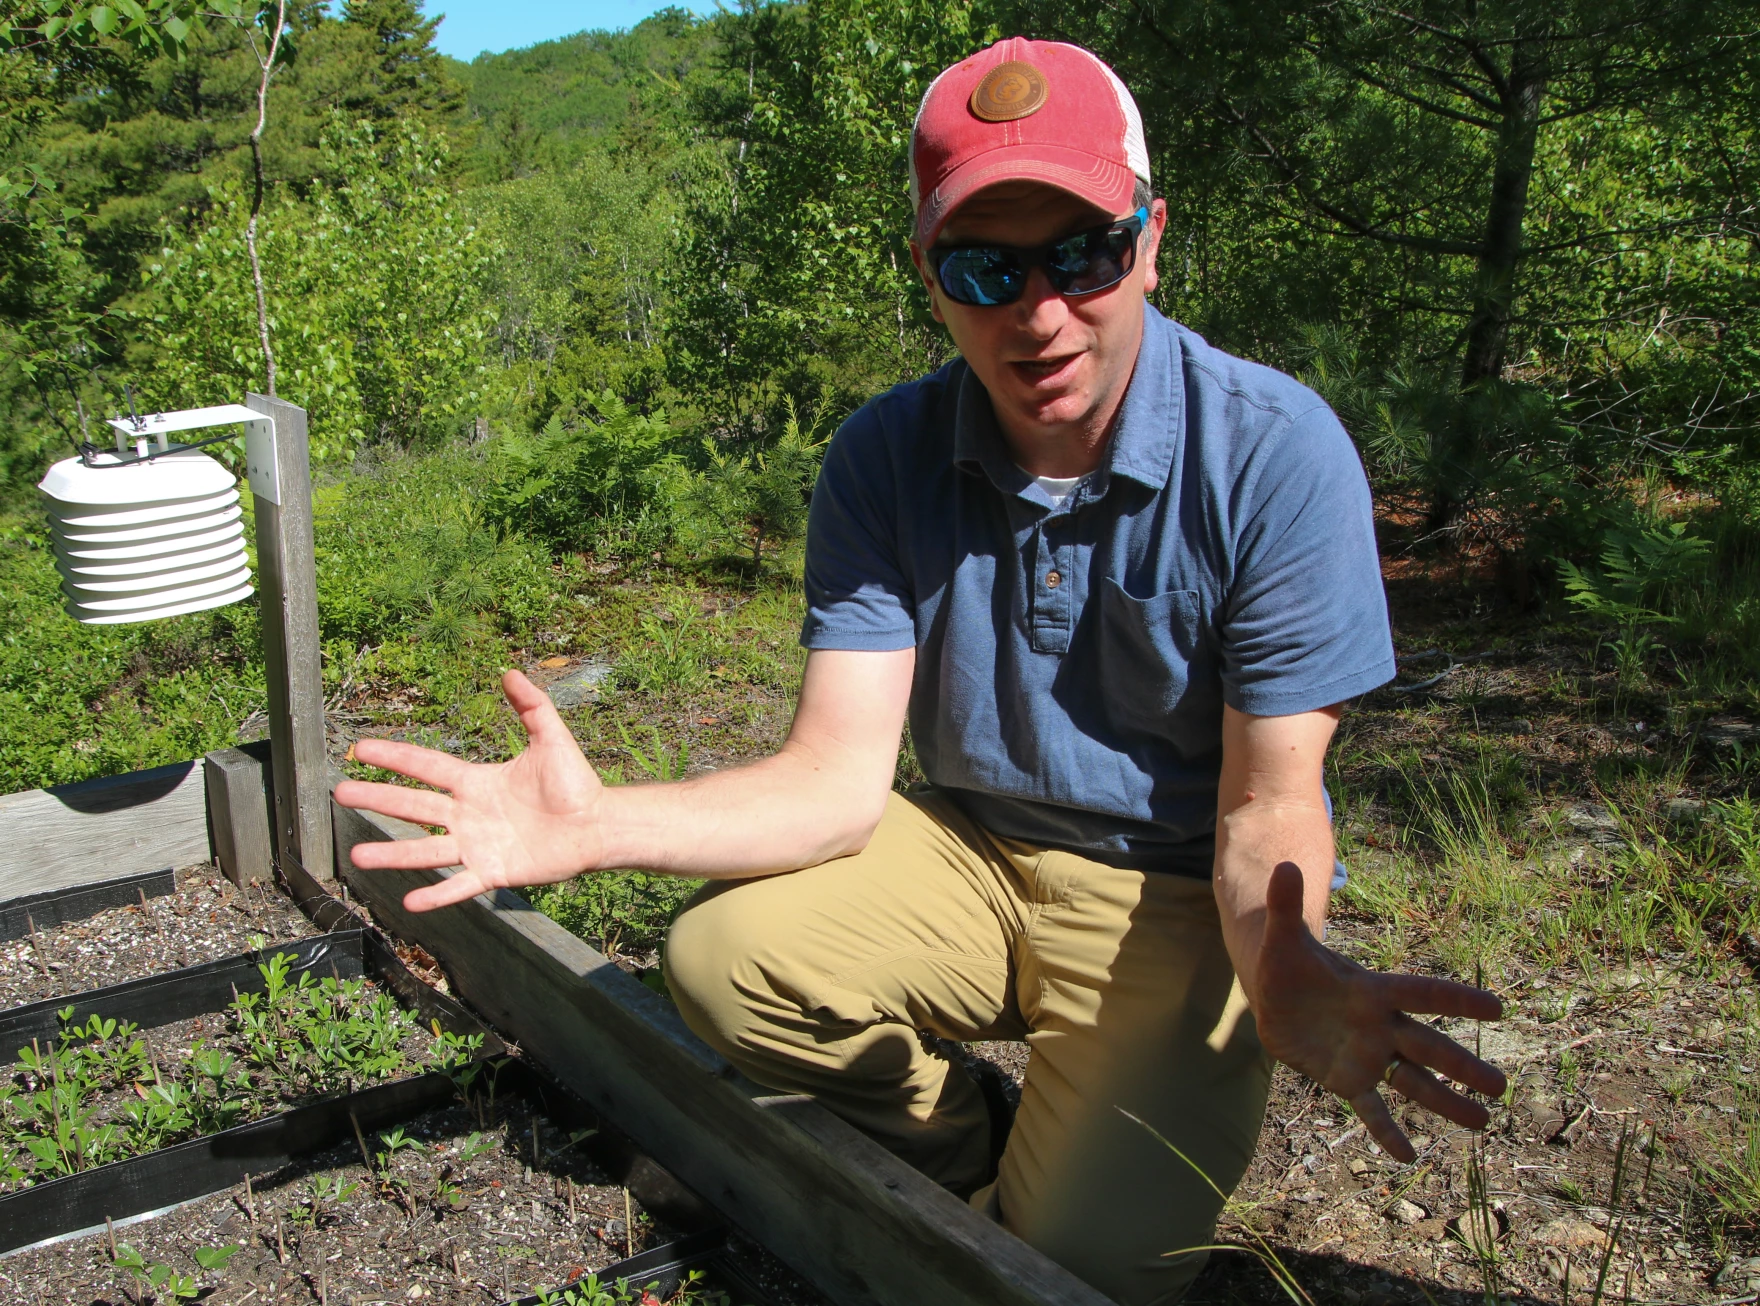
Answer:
(1151, 420)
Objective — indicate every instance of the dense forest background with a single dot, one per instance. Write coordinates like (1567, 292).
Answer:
(623, 285)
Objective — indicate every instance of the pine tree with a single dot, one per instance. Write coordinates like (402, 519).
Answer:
(407, 73)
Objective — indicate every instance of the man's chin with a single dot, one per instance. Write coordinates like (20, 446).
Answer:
(1054, 410)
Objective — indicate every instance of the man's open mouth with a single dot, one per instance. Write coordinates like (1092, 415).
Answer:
(1042, 371)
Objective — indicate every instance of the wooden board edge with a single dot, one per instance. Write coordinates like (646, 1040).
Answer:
(102, 829)
(844, 1212)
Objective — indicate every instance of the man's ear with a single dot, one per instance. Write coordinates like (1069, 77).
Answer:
(1152, 244)
(920, 261)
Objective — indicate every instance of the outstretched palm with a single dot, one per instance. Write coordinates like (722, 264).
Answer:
(1343, 1026)
(527, 821)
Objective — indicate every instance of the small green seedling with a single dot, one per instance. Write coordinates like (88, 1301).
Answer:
(474, 1146)
(592, 1291)
(396, 1141)
(446, 1191)
(159, 1279)
(325, 1191)
(215, 1258)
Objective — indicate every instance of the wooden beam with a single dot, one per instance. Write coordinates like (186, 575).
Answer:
(287, 577)
(102, 829)
(845, 1213)
(240, 810)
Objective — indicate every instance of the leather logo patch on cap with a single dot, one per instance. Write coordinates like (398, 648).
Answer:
(1010, 90)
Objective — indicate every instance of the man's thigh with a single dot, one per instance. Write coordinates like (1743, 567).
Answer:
(1131, 998)
(912, 932)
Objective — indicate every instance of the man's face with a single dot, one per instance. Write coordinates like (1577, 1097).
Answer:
(1051, 363)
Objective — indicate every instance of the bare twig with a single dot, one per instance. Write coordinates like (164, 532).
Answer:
(37, 945)
(267, 63)
(360, 1141)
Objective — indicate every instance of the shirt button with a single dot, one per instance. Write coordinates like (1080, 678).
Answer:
(1053, 580)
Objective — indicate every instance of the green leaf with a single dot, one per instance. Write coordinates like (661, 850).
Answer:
(215, 1258)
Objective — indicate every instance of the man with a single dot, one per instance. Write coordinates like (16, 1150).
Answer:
(1121, 583)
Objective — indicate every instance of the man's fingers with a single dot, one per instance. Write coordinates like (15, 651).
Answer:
(1378, 1120)
(1440, 997)
(1425, 1046)
(430, 854)
(1412, 1080)
(423, 806)
(428, 765)
(453, 889)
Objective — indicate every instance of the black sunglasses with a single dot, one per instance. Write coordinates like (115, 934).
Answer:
(1076, 265)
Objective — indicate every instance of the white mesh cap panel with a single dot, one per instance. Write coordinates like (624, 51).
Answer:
(1136, 149)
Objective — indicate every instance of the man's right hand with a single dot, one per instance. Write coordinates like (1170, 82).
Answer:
(545, 816)
(533, 820)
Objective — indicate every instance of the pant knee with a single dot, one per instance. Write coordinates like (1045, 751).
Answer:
(702, 953)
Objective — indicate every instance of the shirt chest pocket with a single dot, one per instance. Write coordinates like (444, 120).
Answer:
(1154, 671)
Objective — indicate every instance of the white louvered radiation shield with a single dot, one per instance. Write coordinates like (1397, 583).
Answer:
(148, 533)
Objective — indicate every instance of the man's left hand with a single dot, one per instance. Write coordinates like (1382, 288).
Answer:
(1350, 1029)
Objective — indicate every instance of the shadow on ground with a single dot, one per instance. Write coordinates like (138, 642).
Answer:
(1236, 1278)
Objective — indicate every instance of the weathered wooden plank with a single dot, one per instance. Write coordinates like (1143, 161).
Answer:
(287, 578)
(844, 1212)
(239, 811)
(102, 829)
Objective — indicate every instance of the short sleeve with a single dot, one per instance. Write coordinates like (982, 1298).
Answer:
(858, 596)
(1305, 623)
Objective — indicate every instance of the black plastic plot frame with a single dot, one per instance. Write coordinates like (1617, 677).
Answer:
(42, 911)
(663, 1269)
(202, 1166)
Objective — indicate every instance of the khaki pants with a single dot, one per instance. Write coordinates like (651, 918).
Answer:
(823, 981)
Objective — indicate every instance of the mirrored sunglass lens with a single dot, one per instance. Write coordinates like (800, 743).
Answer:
(981, 276)
(1094, 260)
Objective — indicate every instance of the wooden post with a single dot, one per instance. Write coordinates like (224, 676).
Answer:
(281, 484)
(240, 805)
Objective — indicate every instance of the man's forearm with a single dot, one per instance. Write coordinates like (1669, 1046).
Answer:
(787, 811)
(1270, 809)
(1250, 841)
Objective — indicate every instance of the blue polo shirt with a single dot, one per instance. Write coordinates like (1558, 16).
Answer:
(1072, 662)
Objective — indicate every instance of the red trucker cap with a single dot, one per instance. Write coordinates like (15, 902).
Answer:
(1025, 110)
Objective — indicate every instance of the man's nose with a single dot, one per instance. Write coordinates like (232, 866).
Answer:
(1041, 311)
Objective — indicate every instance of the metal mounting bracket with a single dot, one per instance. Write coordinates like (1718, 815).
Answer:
(259, 458)
(259, 438)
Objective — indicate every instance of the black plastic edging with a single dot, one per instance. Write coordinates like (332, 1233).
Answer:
(200, 1166)
(186, 1171)
(59, 906)
(197, 990)
(659, 1191)
(661, 1268)
(186, 993)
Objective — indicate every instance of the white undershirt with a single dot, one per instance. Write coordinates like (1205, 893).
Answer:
(1059, 487)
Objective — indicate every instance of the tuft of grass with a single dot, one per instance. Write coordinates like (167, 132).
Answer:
(1259, 1247)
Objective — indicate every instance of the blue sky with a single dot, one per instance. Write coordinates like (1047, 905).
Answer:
(473, 26)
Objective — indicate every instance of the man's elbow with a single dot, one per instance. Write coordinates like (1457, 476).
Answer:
(858, 818)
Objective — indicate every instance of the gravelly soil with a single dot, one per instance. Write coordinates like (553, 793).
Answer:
(515, 1228)
(523, 1219)
(1353, 1226)
(205, 920)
